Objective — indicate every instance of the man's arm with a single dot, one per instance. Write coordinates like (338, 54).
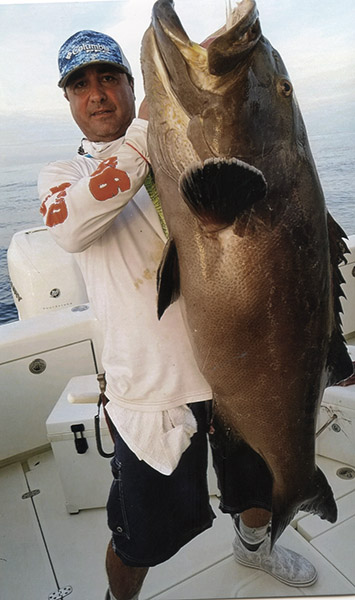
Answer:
(79, 205)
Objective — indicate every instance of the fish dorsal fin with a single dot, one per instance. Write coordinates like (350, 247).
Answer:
(339, 362)
(168, 281)
(220, 190)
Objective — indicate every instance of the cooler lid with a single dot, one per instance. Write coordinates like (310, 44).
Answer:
(66, 413)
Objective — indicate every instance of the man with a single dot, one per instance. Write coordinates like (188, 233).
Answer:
(97, 207)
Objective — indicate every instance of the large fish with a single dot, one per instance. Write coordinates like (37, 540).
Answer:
(252, 250)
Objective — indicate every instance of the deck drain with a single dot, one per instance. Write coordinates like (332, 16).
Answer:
(346, 473)
(62, 593)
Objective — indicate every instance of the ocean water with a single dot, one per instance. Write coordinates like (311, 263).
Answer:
(19, 209)
(19, 205)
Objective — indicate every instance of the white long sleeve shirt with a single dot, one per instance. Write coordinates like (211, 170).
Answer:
(95, 206)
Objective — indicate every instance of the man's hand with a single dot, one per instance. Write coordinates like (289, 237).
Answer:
(143, 112)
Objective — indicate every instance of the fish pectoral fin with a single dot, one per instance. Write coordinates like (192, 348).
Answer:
(168, 278)
(221, 190)
(339, 362)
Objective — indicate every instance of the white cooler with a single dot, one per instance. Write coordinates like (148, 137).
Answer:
(337, 441)
(86, 478)
(84, 474)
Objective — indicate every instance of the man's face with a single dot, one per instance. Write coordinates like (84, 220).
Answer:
(101, 101)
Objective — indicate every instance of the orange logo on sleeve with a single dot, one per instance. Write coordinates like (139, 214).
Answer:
(107, 181)
(57, 211)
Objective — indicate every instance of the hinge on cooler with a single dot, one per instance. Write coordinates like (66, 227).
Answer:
(30, 494)
(62, 593)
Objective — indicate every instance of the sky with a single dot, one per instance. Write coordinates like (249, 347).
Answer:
(315, 39)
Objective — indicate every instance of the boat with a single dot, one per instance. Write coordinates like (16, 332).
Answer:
(54, 482)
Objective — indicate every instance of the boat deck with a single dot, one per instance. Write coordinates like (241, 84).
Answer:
(45, 553)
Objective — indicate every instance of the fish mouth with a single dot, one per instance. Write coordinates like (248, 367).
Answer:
(239, 36)
(194, 78)
(217, 55)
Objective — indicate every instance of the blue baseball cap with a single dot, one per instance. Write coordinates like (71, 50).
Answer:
(86, 47)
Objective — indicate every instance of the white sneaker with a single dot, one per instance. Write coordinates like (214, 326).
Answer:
(283, 564)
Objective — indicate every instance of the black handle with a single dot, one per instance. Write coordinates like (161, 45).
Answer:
(81, 443)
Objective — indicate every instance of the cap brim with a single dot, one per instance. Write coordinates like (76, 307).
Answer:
(63, 81)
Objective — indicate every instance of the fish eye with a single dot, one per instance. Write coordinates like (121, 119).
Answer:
(285, 87)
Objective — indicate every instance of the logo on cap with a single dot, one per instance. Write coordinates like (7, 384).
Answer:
(87, 48)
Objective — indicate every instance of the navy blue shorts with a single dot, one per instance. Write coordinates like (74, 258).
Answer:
(152, 516)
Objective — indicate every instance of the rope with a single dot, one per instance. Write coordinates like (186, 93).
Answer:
(150, 186)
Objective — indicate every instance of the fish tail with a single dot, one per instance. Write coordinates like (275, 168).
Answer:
(319, 501)
(322, 503)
